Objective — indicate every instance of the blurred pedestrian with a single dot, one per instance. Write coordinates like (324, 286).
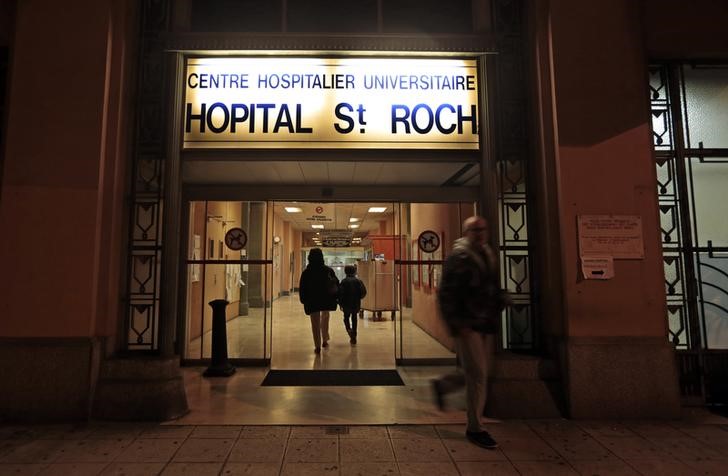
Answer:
(471, 301)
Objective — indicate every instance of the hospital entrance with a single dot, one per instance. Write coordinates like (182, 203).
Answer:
(252, 253)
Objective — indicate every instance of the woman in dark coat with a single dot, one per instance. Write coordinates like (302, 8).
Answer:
(317, 291)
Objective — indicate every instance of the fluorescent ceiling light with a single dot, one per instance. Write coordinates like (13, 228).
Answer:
(317, 226)
(293, 209)
(352, 220)
(377, 209)
(354, 226)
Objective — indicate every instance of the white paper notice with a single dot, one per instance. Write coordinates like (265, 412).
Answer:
(618, 236)
(597, 267)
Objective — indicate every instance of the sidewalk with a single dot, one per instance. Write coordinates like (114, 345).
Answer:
(698, 444)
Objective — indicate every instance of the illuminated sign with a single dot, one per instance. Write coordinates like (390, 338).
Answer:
(330, 103)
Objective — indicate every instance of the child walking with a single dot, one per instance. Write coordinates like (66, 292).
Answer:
(351, 292)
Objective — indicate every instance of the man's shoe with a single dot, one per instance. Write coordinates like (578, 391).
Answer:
(317, 350)
(482, 439)
(439, 395)
(325, 344)
(352, 341)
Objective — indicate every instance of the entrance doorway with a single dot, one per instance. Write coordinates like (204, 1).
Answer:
(397, 247)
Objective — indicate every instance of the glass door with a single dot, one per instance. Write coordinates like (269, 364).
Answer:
(426, 231)
(228, 257)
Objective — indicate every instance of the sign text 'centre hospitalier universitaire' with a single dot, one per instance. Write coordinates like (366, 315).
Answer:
(331, 103)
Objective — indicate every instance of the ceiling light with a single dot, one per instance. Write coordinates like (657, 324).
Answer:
(293, 209)
(352, 220)
(354, 226)
(377, 209)
(317, 226)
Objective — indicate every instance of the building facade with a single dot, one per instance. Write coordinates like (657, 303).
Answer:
(581, 132)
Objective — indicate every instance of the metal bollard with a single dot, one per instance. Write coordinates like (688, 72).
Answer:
(220, 366)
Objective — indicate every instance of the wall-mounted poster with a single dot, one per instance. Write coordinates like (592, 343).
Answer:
(435, 268)
(195, 270)
(425, 270)
(415, 268)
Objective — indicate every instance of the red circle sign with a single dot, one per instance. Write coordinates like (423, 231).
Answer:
(428, 241)
(235, 239)
(319, 209)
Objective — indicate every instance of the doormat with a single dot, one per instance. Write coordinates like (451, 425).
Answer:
(330, 378)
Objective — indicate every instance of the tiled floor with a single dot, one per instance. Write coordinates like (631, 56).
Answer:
(241, 400)
(696, 445)
(292, 344)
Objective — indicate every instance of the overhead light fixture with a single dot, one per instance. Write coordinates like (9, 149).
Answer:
(293, 209)
(355, 225)
(352, 220)
(377, 209)
(318, 227)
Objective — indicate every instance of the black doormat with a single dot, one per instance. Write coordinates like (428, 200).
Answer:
(319, 378)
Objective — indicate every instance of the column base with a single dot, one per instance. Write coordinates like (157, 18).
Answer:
(47, 379)
(219, 371)
(621, 377)
(149, 389)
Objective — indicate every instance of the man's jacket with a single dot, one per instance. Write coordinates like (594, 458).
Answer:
(469, 294)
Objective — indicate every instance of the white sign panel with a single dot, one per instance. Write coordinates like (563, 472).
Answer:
(597, 267)
(619, 236)
(321, 213)
(381, 103)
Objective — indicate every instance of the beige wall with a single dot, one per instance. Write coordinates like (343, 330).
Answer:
(444, 219)
(63, 212)
(604, 163)
(590, 70)
(62, 207)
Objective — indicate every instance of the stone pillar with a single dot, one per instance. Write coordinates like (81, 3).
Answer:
(596, 158)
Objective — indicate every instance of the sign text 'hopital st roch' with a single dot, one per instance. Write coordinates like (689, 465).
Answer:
(331, 103)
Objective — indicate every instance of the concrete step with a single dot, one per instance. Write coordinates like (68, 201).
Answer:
(524, 386)
(140, 389)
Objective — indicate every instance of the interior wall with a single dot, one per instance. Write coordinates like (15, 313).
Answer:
(286, 241)
(444, 219)
(279, 255)
(194, 309)
(297, 260)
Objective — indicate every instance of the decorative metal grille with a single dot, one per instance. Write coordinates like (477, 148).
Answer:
(519, 328)
(147, 190)
(696, 268)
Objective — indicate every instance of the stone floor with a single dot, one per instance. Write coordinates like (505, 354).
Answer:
(697, 444)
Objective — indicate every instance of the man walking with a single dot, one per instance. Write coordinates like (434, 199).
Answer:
(470, 302)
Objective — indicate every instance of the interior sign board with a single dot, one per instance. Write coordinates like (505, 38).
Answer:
(373, 103)
(618, 236)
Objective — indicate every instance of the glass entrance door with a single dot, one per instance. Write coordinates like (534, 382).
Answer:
(252, 254)
(426, 232)
(228, 257)
(358, 234)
